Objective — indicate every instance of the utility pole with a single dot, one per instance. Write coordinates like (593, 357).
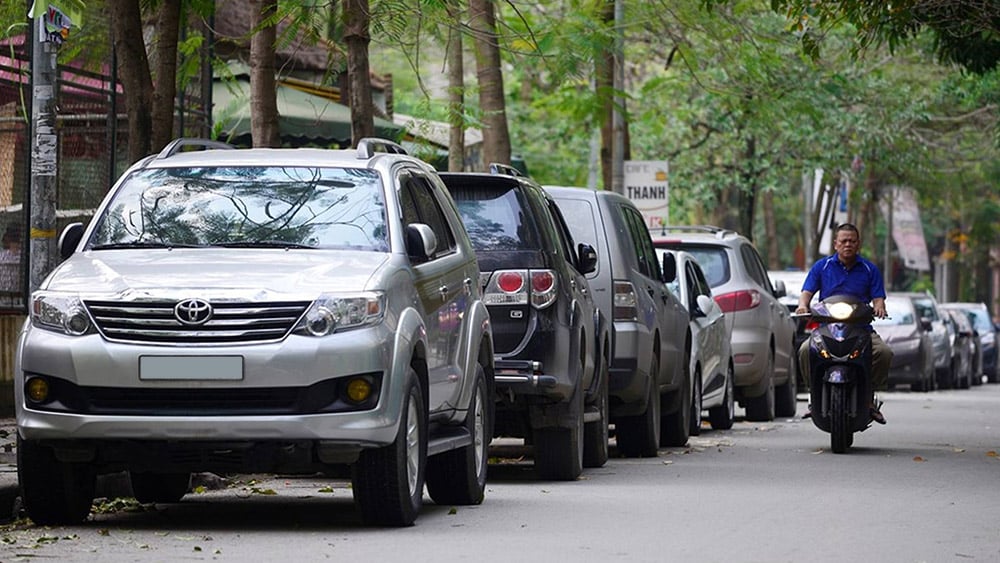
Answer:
(44, 146)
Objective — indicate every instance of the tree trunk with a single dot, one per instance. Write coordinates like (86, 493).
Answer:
(264, 126)
(133, 67)
(456, 90)
(496, 137)
(771, 231)
(356, 23)
(604, 84)
(168, 30)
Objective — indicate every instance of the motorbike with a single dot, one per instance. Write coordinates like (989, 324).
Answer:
(840, 366)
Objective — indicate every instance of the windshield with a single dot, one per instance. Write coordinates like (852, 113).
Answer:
(900, 313)
(246, 206)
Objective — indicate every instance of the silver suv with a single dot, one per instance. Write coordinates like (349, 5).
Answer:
(762, 327)
(260, 310)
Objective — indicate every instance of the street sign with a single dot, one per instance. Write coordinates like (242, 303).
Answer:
(647, 184)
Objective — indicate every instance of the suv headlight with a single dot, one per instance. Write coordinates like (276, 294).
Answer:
(337, 313)
(60, 312)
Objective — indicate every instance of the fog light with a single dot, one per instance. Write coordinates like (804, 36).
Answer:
(37, 389)
(358, 390)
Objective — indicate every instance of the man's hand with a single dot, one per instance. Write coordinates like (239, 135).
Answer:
(800, 310)
(878, 306)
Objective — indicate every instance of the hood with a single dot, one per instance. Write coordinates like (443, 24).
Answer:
(255, 274)
(895, 333)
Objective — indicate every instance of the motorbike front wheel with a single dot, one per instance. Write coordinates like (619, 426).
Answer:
(841, 434)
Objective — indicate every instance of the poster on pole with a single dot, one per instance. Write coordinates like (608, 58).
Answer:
(907, 229)
(647, 184)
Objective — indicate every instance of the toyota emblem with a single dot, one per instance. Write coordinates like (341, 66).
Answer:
(193, 311)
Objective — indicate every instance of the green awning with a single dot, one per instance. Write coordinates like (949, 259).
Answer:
(304, 118)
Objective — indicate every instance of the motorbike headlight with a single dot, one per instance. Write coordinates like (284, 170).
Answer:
(337, 313)
(841, 311)
(60, 312)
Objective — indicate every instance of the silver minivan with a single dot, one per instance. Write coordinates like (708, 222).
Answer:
(260, 310)
(651, 388)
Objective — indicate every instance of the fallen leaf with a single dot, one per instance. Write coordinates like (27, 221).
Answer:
(667, 462)
(959, 450)
(326, 489)
(992, 453)
(453, 511)
(819, 451)
(918, 458)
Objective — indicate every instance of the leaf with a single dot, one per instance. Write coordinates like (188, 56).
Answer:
(453, 511)
(667, 462)
(326, 489)
(992, 453)
(959, 450)
(918, 459)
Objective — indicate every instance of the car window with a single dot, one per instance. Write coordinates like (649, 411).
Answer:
(755, 269)
(495, 218)
(581, 219)
(899, 313)
(246, 205)
(692, 283)
(713, 262)
(702, 284)
(925, 307)
(562, 233)
(642, 243)
(980, 320)
(425, 208)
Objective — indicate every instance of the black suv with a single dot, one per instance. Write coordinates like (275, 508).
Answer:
(551, 341)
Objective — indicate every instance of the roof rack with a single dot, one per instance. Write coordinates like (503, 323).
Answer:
(175, 146)
(719, 232)
(368, 146)
(506, 169)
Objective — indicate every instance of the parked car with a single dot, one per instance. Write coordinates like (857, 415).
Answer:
(908, 335)
(793, 280)
(942, 336)
(260, 310)
(551, 340)
(966, 346)
(989, 338)
(651, 392)
(711, 355)
(761, 326)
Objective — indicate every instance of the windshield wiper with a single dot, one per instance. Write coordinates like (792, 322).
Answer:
(263, 244)
(141, 244)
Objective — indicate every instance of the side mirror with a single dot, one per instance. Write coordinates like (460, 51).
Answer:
(69, 239)
(926, 325)
(587, 258)
(708, 307)
(421, 242)
(779, 289)
(669, 267)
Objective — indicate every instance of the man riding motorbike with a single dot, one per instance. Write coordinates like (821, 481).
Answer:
(846, 272)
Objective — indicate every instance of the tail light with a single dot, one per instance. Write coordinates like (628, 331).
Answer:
(625, 302)
(738, 300)
(517, 287)
(811, 326)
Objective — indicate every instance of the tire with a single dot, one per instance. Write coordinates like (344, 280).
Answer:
(639, 436)
(558, 450)
(676, 426)
(840, 431)
(388, 482)
(458, 477)
(785, 399)
(53, 492)
(159, 487)
(696, 405)
(595, 434)
(946, 377)
(723, 416)
(761, 409)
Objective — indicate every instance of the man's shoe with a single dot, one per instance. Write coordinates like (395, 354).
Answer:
(809, 412)
(877, 414)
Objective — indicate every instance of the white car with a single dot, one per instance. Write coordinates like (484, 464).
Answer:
(711, 350)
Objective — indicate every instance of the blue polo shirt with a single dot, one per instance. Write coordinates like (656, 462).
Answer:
(828, 275)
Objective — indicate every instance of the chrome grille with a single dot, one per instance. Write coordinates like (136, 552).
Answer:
(231, 323)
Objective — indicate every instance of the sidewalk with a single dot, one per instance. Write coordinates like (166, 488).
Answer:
(9, 489)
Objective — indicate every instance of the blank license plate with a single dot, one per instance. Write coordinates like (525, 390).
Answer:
(224, 368)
